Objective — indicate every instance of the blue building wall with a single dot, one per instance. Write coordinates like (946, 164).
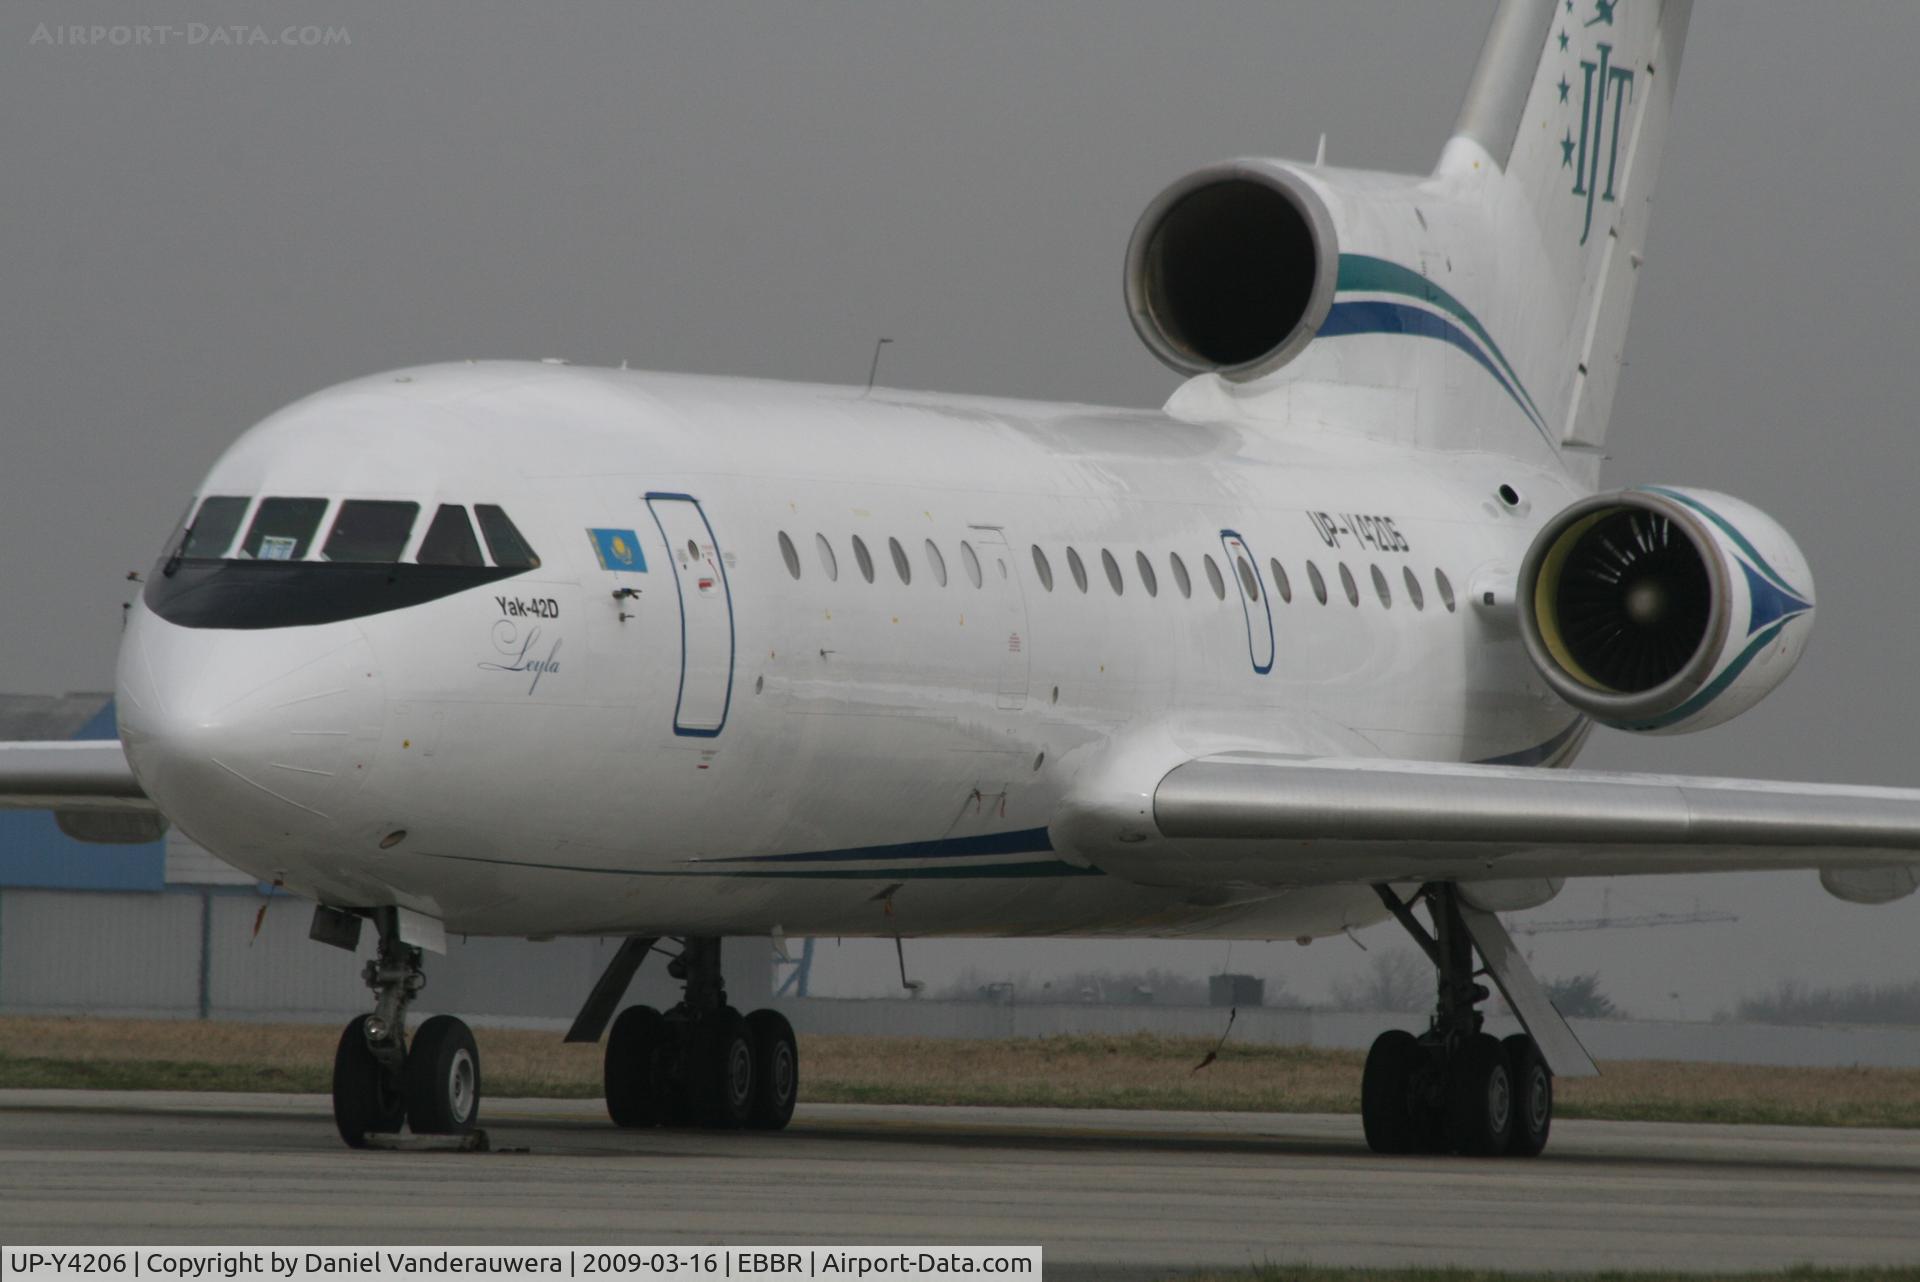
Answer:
(35, 853)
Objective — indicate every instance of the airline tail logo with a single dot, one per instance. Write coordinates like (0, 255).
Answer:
(1606, 94)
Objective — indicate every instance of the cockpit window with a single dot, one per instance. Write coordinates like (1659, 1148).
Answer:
(370, 530)
(510, 551)
(283, 529)
(213, 526)
(449, 539)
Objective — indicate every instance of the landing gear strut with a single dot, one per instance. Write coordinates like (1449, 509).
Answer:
(701, 1063)
(1454, 1088)
(379, 1081)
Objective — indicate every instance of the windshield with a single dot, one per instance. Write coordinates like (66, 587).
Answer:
(283, 529)
(370, 530)
(214, 526)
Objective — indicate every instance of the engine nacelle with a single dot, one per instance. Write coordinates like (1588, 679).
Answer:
(1664, 610)
(1232, 270)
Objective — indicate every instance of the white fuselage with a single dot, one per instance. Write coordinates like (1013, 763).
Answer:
(716, 746)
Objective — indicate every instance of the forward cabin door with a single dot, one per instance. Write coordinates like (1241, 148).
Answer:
(706, 615)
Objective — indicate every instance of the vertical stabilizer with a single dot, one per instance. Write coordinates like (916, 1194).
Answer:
(1564, 121)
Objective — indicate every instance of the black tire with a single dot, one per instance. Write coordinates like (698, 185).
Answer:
(776, 1071)
(1387, 1108)
(443, 1078)
(722, 1068)
(366, 1097)
(1532, 1096)
(679, 1070)
(1479, 1097)
(633, 1079)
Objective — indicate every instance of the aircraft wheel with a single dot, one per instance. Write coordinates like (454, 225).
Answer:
(776, 1071)
(722, 1070)
(366, 1096)
(1532, 1096)
(443, 1078)
(1479, 1097)
(632, 1074)
(1386, 1093)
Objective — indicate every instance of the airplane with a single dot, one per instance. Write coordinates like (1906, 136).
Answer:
(1309, 649)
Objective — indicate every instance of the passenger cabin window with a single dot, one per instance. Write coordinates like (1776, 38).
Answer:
(1078, 570)
(214, 526)
(790, 555)
(863, 557)
(449, 539)
(1281, 583)
(1147, 577)
(971, 561)
(1347, 585)
(936, 563)
(901, 566)
(510, 551)
(372, 530)
(1318, 584)
(1042, 568)
(283, 529)
(1446, 588)
(1214, 580)
(1181, 578)
(1380, 588)
(1414, 594)
(1249, 581)
(1112, 567)
(828, 561)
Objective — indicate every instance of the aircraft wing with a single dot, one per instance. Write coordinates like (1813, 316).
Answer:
(85, 782)
(1272, 820)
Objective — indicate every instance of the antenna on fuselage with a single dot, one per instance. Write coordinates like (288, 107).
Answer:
(873, 370)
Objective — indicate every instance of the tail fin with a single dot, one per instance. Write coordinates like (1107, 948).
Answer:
(1569, 107)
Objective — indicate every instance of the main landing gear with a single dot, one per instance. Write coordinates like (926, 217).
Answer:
(701, 1063)
(1454, 1088)
(380, 1081)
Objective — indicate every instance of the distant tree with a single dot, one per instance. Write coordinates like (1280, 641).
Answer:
(1793, 1002)
(1396, 981)
(1579, 997)
(1092, 987)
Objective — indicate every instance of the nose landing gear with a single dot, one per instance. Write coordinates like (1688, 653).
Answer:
(701, 1063)
(381, 1082)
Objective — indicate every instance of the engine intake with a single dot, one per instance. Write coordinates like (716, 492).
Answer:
(1232, 270)
(1662, 609)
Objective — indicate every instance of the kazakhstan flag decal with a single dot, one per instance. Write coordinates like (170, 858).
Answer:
(618, 550)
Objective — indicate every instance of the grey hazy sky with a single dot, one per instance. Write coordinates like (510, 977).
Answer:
(198, 233)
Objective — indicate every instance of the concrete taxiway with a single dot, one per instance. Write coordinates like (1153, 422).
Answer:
(1107, 1194)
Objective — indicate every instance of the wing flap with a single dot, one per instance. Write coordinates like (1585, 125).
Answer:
(1271, 820)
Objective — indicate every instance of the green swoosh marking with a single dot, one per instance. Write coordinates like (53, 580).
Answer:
(1378, 275)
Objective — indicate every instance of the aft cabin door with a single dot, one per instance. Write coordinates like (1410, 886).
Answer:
(706, 615)
(1243, 571)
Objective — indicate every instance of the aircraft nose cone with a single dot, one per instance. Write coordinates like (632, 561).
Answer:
(236, 733)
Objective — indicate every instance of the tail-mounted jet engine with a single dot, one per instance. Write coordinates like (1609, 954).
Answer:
(1232, 270)
(1664, 610)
